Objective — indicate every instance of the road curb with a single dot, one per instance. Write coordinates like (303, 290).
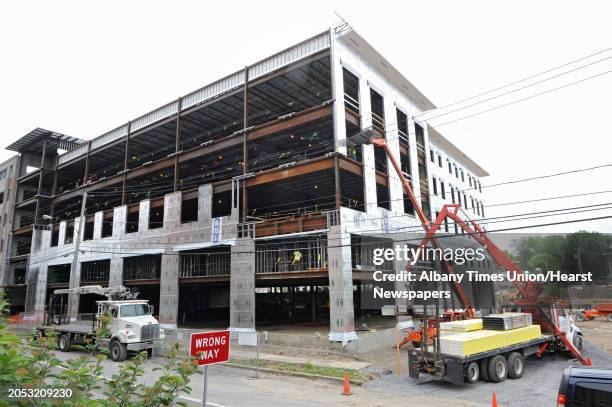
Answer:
(295, 374)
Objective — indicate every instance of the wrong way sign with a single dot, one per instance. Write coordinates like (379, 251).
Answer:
(210, 347)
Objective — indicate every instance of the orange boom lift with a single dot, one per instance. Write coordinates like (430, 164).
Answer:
(545, 311)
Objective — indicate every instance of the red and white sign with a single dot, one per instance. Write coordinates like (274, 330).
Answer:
(210, 347)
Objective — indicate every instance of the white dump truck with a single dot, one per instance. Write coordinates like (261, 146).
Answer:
(132, 327)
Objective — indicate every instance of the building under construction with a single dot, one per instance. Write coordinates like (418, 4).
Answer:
(243, 203)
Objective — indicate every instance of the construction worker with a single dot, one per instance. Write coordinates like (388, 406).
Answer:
(296, 262)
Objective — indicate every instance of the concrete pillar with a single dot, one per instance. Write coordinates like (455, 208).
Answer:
(115, 277)
(143, 216)
(41, 292)
(395, 186)
(338, 96)
(414, 163)
(119, 219)
(341, 309)
(205, 194)
(242, 286)
(365, 105)
(98, 221)
(169, 290)
(172, 210)
(61, 239)
(36, 294)
(369, 179)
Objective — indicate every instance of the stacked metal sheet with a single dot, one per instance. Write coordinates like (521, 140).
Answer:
(506, 321)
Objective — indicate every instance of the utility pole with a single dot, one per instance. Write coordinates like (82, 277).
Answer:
(74, 281)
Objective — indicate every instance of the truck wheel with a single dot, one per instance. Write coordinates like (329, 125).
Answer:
(609, 317)
(484, 369)
(578, 342)
(498, 369)
(516, 365)
(64, 343)
(580, 316)
(118, 351)
(472, 372)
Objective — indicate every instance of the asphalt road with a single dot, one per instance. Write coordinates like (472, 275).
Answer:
(228, 386)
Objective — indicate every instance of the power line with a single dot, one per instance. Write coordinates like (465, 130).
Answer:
(516, 82)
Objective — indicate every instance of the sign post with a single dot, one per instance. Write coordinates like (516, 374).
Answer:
(210, 348)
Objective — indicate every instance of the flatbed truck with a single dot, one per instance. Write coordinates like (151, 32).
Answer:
(131, 327)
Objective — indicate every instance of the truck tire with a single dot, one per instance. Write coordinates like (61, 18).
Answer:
(118, 351)
(472, 372)
(64, 343)
(516, 365)
(578, 342)
(484, 369)
(498, 369)
(580, 316)
(609, 317)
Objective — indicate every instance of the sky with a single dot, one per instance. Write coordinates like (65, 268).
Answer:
(83, 68)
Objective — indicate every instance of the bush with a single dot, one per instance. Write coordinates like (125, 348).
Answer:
(30, 363)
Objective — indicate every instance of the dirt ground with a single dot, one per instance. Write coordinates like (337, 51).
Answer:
(598, 332)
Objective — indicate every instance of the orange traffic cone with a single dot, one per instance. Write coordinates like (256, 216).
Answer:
(346, 389)
(494, 403)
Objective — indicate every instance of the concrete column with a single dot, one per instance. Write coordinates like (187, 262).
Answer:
(414, 163)
(98, 221)
(172, 210)
(365, 106)
(46, 239)
(205, 194)
(115, 277)
(242, 286)
(395, 186)
(341, 309)
(369, 179)
(119, 219)
(169, 290)
(36, 294)
(61, 239)
(143, 216)
(338, 96)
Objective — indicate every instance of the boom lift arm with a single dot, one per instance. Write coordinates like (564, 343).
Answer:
(530, 291)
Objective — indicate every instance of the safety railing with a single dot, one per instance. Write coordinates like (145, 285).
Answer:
(94, 276)
(351, 103)
(378, 123)
(142, 272)
(291, 256)
(205, 265)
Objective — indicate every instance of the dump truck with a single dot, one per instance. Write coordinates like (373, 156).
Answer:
(428, 362)
(132, 326)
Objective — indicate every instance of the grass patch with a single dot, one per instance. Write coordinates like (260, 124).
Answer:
(307, 367)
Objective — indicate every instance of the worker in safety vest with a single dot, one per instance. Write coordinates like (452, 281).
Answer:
(296, 262)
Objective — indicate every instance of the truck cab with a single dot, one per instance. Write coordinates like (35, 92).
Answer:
(585, 387)
(132, 328)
